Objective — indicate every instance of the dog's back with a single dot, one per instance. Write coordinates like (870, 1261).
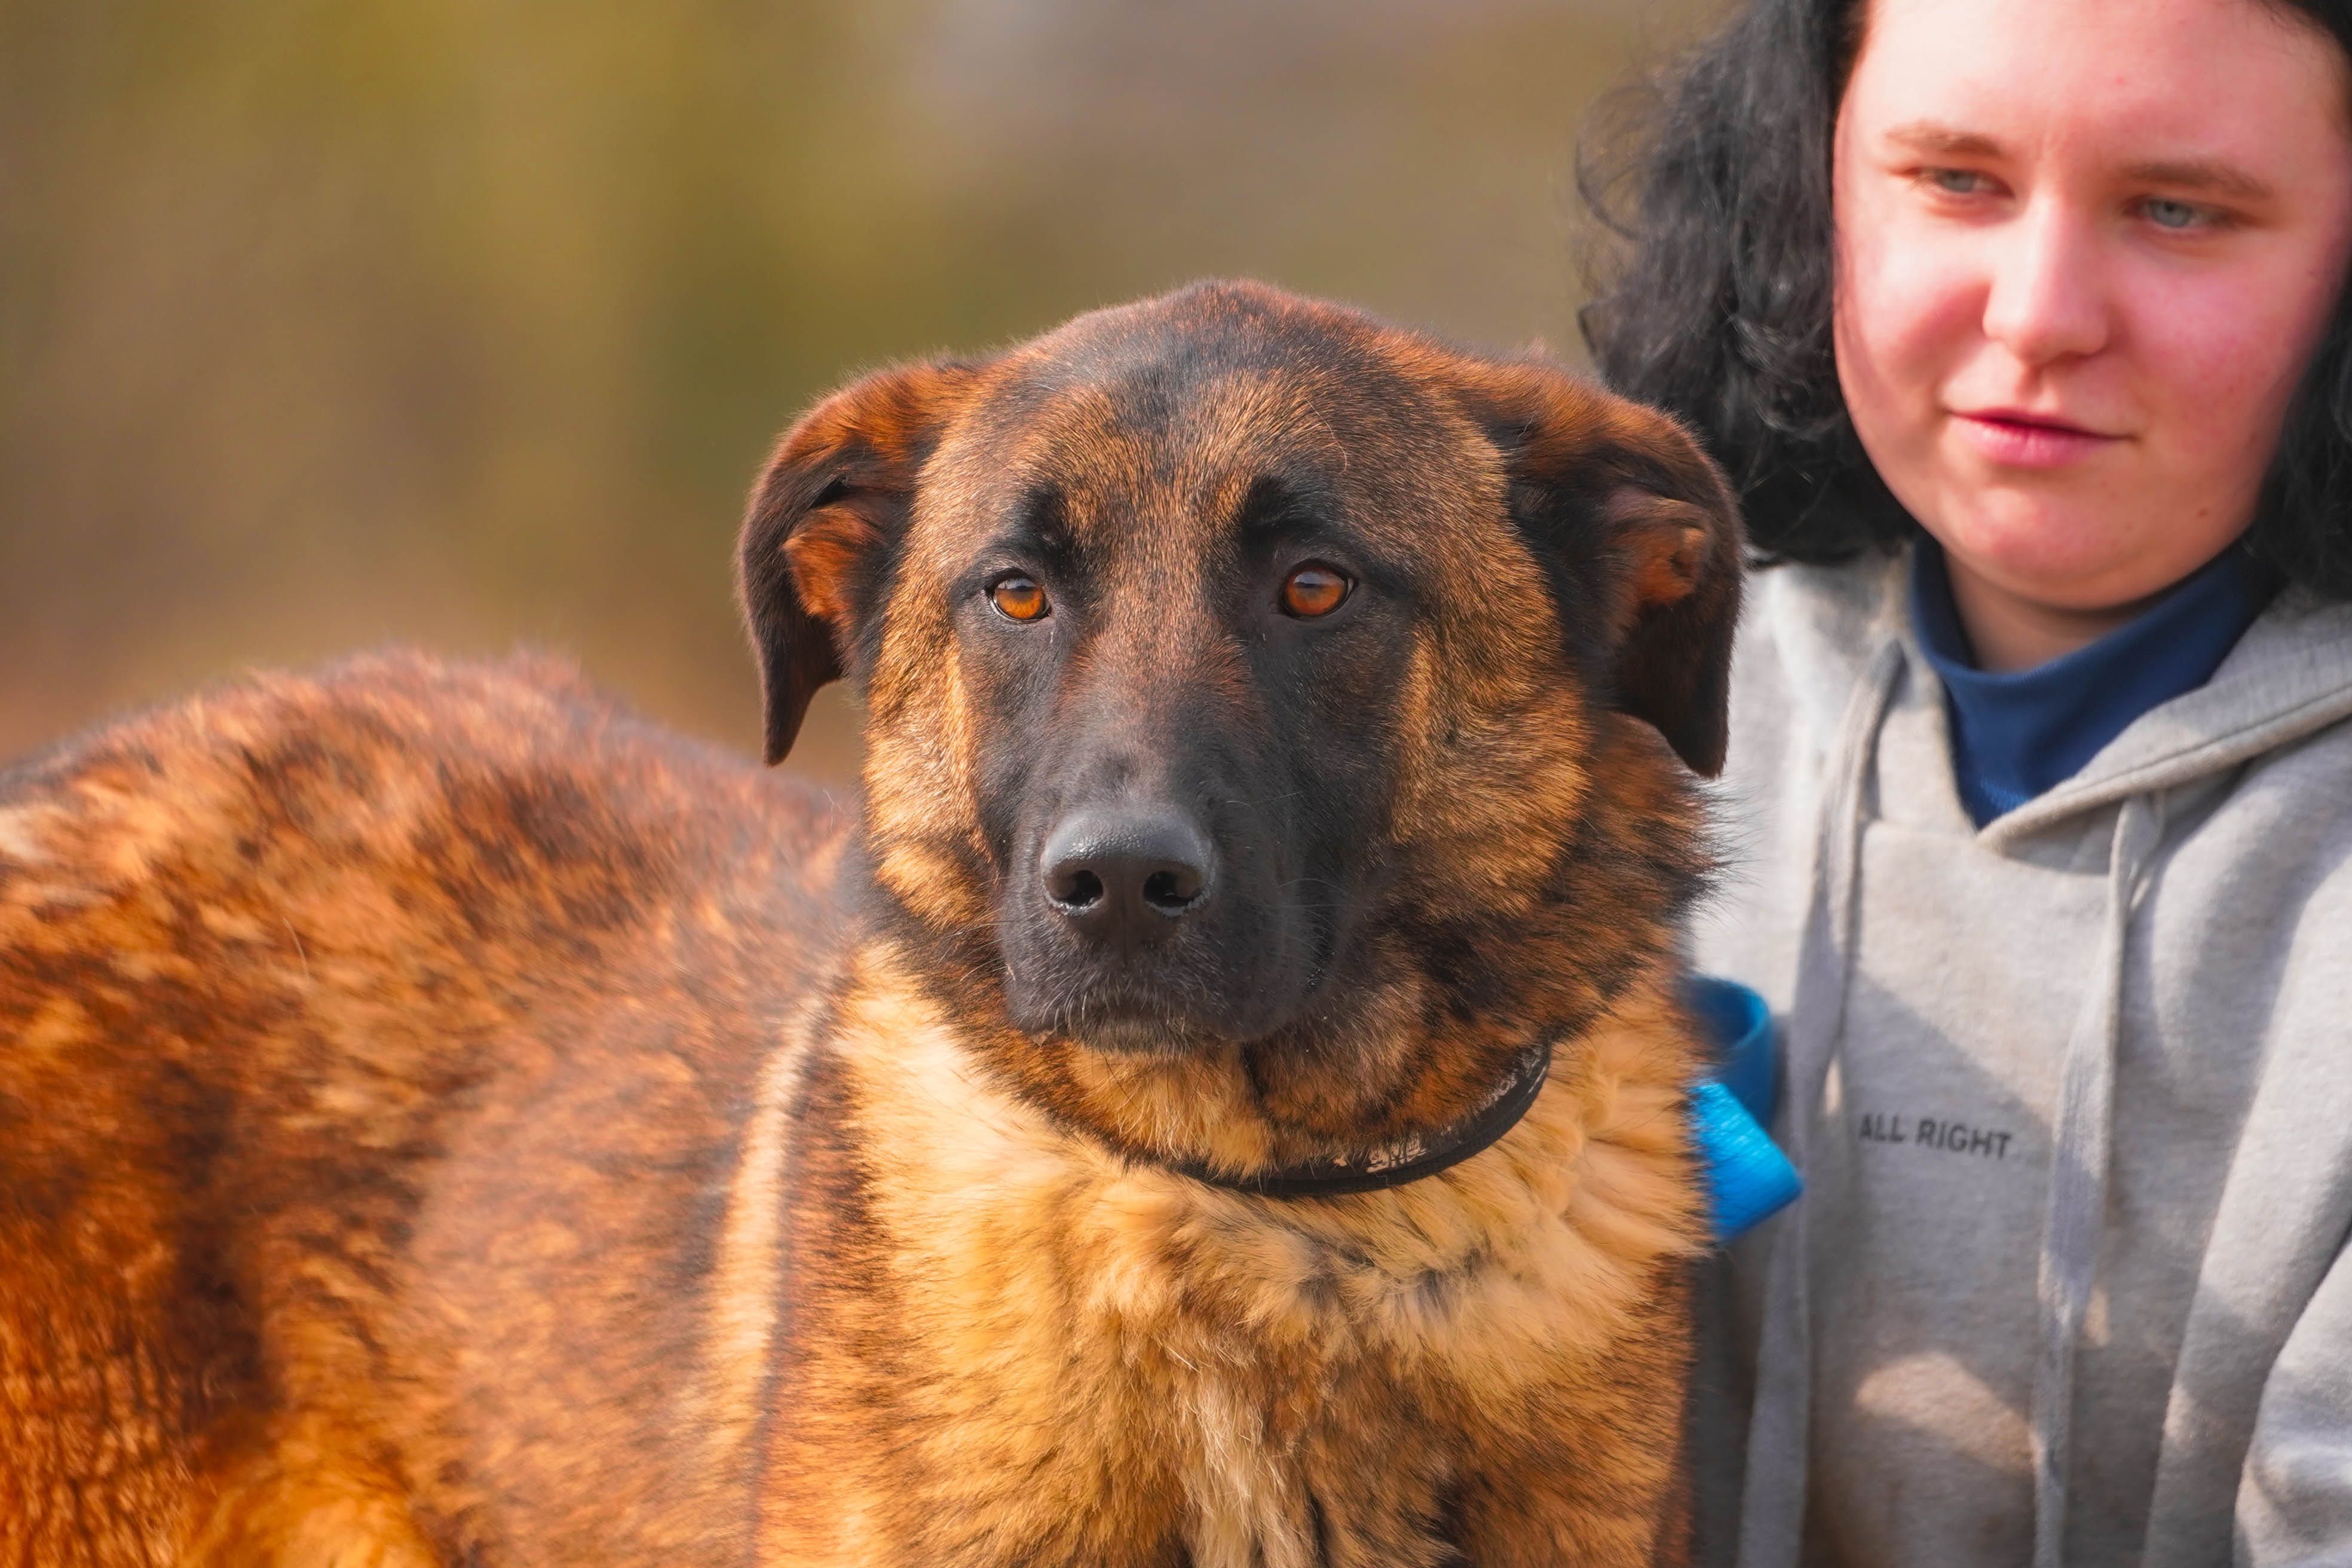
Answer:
(373, 1049)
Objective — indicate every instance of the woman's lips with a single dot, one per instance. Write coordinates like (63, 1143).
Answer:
(2020, 440)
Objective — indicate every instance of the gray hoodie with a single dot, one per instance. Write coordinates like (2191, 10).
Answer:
(2073, 1096)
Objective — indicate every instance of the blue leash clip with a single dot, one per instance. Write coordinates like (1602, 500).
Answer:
(1748, 1179)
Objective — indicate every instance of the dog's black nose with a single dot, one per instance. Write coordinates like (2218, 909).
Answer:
(1126, 875)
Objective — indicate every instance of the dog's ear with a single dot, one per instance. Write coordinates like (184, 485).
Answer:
(1642, 539)
(826, 521)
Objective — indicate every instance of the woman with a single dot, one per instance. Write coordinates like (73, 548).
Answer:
(2021, 325)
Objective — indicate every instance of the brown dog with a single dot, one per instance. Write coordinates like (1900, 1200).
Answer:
(443, 1121)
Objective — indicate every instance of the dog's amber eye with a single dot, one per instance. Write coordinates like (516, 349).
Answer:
(1018, 598)
(1314, 590)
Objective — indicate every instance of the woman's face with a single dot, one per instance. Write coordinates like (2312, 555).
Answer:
(2084, 250)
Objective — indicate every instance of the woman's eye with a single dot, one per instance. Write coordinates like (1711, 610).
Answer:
(1954, 182)
(1018, 598)
(2171, 215)
(1314, 590)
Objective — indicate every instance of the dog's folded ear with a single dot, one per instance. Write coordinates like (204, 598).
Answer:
(1641, 536)
(826, 521)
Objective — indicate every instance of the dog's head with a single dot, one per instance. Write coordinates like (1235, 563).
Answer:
(1250, 683)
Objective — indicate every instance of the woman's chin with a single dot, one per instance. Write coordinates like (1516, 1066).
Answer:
(2059, 557)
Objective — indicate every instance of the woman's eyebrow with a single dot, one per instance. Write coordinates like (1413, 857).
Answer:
(2201, 175)
(1933, 136)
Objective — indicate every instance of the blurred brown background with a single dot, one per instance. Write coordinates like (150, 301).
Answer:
(328, 323)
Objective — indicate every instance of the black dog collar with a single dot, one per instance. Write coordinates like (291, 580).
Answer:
(1393, 1166)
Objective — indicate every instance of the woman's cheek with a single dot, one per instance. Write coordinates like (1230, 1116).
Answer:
(2219, 363)
(1909, 321)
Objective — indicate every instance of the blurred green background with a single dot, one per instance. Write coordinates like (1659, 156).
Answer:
(466, 322)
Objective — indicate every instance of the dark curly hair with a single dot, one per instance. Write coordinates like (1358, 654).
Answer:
(1714, 301)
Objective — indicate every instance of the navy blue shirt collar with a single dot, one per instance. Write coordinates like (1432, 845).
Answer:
(2016, 733)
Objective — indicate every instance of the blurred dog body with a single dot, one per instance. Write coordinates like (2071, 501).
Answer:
(443, 1120)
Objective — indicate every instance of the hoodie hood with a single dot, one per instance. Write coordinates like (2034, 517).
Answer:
(2289, 677)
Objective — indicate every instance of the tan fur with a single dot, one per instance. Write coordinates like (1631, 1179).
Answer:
(1103, 1335)
(444, 1121)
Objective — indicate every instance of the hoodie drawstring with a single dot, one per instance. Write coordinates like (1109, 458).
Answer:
(2082, 1147)
(1772, 1503)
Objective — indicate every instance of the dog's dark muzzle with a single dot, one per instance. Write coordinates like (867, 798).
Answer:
(1129, 928)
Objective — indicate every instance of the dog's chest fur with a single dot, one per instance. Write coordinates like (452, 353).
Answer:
(1024, 1350)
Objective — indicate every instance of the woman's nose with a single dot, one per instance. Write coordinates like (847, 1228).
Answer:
(2048, 300)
